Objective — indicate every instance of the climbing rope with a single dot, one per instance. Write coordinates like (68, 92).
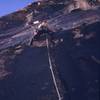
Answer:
(51, 69)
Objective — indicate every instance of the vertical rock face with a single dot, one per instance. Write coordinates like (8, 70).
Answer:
(24, 69)
(12, 27)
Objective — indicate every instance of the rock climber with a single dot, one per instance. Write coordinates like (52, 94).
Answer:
(43, 28)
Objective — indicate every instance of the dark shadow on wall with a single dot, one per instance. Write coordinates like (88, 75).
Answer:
(30, 78)
(78, 71)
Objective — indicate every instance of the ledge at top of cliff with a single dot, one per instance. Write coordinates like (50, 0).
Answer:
(42, 9)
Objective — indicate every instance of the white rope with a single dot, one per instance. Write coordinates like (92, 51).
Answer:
(52, 72)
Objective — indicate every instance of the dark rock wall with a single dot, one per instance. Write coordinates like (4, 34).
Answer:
(78, 70)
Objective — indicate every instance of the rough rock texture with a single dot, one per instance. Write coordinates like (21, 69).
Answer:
(43, 11)
(24, 69)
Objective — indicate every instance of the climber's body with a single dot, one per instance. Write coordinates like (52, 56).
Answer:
(43, 28)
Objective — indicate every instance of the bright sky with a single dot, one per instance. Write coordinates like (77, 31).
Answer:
(8, 6)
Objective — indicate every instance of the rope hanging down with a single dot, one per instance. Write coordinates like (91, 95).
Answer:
(51, 69)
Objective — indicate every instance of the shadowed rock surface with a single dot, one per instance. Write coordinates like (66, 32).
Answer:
(24, 69)
(30, 78)
(78, 71)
